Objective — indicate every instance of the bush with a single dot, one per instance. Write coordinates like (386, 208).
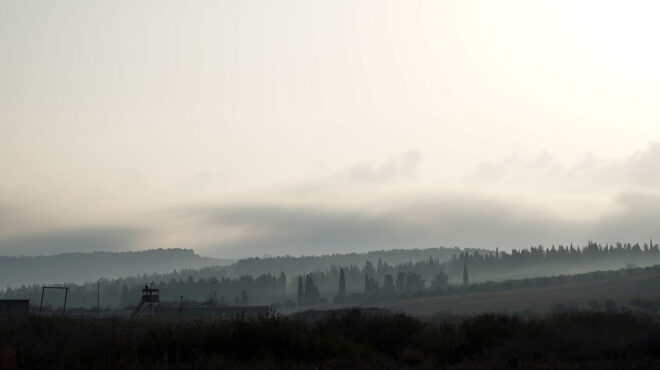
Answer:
(352, 339)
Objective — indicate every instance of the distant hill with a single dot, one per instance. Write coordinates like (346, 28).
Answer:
(81, 267)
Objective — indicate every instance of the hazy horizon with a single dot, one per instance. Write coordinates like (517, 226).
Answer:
(250, 128)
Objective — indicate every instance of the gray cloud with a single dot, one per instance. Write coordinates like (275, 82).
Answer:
(464, 223)
(513, 168)
(392, 169)
(487, 171)
(5, 214)
(640, 169)
(440, 221)
(59, 241)
(637, 220)
(408, 163)
(446, 221)
(644, 166)
(9, 217)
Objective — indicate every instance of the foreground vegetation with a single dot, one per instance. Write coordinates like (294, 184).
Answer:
(346, 338)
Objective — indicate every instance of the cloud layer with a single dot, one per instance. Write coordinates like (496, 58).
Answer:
(446, 221)
(300, 223)
(60, 241)
(392, 169)
(639, 169)
(268, 229)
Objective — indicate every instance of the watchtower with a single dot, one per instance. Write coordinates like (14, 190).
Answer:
(149, 302)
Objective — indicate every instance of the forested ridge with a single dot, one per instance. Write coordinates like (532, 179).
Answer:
(371, 281)
(553, 260)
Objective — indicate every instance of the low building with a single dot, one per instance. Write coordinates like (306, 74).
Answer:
(14, 308)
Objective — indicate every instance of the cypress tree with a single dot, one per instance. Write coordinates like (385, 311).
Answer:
(311, 294)
(125, 297)
(300, 290)
(281, 281)
(466, 280)
(342, 283)
(388, 284)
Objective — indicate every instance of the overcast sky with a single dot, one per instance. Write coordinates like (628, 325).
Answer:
(242, 128)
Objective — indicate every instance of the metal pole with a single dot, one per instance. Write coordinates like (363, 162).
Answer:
(41, 305)
(66, 293)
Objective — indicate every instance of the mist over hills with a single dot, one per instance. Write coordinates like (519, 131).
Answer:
(81, 267)
(292, 265)
(369, 278)
(164, 264)
(167, 264)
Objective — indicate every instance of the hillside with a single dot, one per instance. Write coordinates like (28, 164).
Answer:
(81, 267)
(589, 290)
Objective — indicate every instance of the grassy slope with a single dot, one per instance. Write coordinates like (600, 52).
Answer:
(620, 289)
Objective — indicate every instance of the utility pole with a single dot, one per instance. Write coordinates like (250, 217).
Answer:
(41, 305)
(66, 294)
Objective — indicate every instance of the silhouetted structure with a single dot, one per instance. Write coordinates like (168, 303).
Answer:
(149, 302)
(43, 290)
(14, 308)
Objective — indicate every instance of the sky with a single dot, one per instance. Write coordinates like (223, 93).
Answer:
(254, 128)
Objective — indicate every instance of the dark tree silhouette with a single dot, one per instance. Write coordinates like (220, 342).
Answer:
(301, 291)
(466, 279)
(388, 284)
(342, 284)
(281, 282)
(439, 280)
(370, 285)
(244, 298)
(312, 293)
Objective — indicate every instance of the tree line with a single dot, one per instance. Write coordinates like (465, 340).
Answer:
(555, 260)
(351, 283)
